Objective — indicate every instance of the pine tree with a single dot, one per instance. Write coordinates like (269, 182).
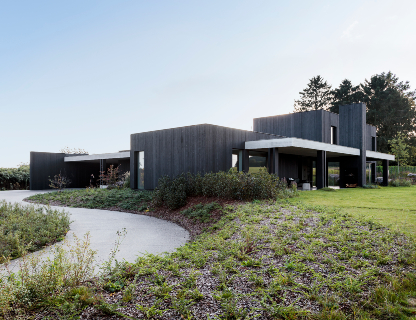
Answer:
(345, 94)
(316, 96)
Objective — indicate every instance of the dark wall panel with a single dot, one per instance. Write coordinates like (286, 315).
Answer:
(288, 166)
(310, 125)
(200, 148)
(45, 165)
(353, 133)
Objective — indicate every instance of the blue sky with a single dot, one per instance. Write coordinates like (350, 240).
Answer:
(87, 74)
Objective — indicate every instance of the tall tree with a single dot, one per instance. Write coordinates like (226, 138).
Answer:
(345, 94)
(399, 148)
(390, 107)
(316, 96)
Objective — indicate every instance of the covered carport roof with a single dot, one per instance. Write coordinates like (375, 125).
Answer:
(96, 157)
(309, 148)
(302, 147)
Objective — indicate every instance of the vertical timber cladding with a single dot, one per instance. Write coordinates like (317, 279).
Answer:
(310, 125)
(353, 133)
(45, 165)
(199, 148)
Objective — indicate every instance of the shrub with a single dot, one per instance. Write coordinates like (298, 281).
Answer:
(40, 280)
(172, 193)
(126, 179)
(327, 189)
(59, 181)
(15, 178)
(400, 183)
(371, 186)
(111, 177)
(29, 228)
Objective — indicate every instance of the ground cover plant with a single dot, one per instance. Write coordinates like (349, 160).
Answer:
(96, 198)
(27, 228)
(393, 206)
(260, 261)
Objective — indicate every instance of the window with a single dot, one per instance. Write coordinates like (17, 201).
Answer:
(257, 160)
(334, 135)
(373, 143)
(140, 169)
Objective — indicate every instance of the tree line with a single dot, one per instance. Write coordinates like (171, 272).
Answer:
(390, 106)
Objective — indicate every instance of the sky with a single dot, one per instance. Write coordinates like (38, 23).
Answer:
(87, 74)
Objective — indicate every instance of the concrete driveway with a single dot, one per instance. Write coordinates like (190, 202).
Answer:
(144, 234)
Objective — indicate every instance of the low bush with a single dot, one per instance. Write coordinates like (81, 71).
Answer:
(29, 228)
(327, 189)
(173, 193)
(58, 281)
(400, 183)
(371, 186)
(96, 198)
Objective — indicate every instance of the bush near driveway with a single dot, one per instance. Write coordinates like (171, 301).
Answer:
(96, 198)
(29, 228)
(260, 185)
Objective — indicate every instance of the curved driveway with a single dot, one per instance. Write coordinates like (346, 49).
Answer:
(144, 234)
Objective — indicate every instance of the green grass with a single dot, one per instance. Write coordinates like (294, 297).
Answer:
(262, 260)
(126, 199)
(391, 206)
(27, 228)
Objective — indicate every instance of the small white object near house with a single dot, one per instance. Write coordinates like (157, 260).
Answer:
(306, 186)
(103, 187)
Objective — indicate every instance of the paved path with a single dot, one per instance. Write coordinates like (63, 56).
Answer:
(144, 234)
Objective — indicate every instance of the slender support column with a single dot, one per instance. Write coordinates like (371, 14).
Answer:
(373, 172)
(300, 167)
(321, 174)
(245, 160)
(103, 164)
(273, 160)
(385, 172)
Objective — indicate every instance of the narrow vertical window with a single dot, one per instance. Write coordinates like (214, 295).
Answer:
(373, 143)
(140, 169)
(333, 135)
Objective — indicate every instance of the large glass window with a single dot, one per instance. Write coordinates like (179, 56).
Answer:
(140, 169)
(257, 160)
(333, 174)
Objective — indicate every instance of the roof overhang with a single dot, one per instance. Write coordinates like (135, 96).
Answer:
(302, 147)
(379, 155)
(102, 156)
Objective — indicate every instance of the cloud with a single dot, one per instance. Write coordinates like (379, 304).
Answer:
(348, 32)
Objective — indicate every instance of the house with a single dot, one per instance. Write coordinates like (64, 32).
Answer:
(296, 146)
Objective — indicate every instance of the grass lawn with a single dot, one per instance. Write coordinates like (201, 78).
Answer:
(391, 206)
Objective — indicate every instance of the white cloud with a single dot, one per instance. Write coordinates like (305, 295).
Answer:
(348, 32)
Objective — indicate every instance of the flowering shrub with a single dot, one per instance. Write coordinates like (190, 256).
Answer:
(172, 193)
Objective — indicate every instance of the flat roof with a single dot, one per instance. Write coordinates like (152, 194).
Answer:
(379, 155)
(303, 147)
(309, 148)
(102, 156)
